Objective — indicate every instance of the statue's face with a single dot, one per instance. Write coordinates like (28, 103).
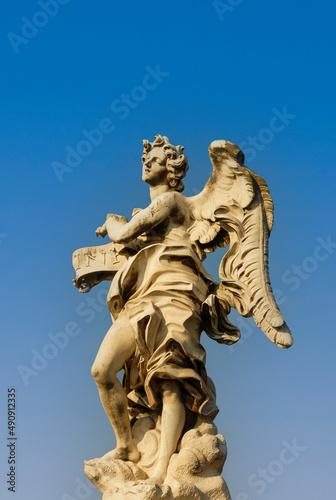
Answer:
(154, 169)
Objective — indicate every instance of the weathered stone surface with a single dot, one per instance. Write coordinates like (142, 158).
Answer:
(193, 472)
(161, 299)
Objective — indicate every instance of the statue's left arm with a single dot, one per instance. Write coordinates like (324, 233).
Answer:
(121, 231)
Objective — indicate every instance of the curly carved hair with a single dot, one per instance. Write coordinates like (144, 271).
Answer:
(176, 161)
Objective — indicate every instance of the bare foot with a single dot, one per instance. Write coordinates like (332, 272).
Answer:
(125, 453)
(159, 474)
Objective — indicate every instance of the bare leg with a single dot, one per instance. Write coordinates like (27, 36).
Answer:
(172, 423)
(116, 348)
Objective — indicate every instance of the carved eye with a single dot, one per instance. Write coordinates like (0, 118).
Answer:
(143, 159)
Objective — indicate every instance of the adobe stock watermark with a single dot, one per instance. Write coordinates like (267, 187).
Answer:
(246, 327)
(223, 8)
(293, 276)
(59, 341)
(263, 477)
(31, 26)
(121, 107)
(3, 236)
(83, 490)
(298, 273)
(265, 136)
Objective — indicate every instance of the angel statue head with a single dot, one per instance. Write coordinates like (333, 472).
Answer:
(164, 163)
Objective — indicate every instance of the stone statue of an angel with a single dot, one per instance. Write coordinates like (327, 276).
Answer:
(161, 297)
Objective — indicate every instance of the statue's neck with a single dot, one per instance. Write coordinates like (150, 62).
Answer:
(155, 191)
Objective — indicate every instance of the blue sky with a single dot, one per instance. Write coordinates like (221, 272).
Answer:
(260, 74)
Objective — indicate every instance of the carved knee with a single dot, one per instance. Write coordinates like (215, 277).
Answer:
(103, 376)
(95, 372)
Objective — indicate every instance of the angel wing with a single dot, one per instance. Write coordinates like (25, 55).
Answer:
(235, 208)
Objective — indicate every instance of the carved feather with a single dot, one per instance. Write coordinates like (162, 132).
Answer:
(236, 205)
(267, 199)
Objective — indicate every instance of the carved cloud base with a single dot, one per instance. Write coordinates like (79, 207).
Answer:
(193, 472)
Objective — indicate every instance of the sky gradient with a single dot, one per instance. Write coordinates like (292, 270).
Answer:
(260, 74)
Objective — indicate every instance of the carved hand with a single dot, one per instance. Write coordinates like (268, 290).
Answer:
(117, 218)
(102, 231)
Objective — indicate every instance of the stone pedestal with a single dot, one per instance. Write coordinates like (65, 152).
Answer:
(194, 472)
